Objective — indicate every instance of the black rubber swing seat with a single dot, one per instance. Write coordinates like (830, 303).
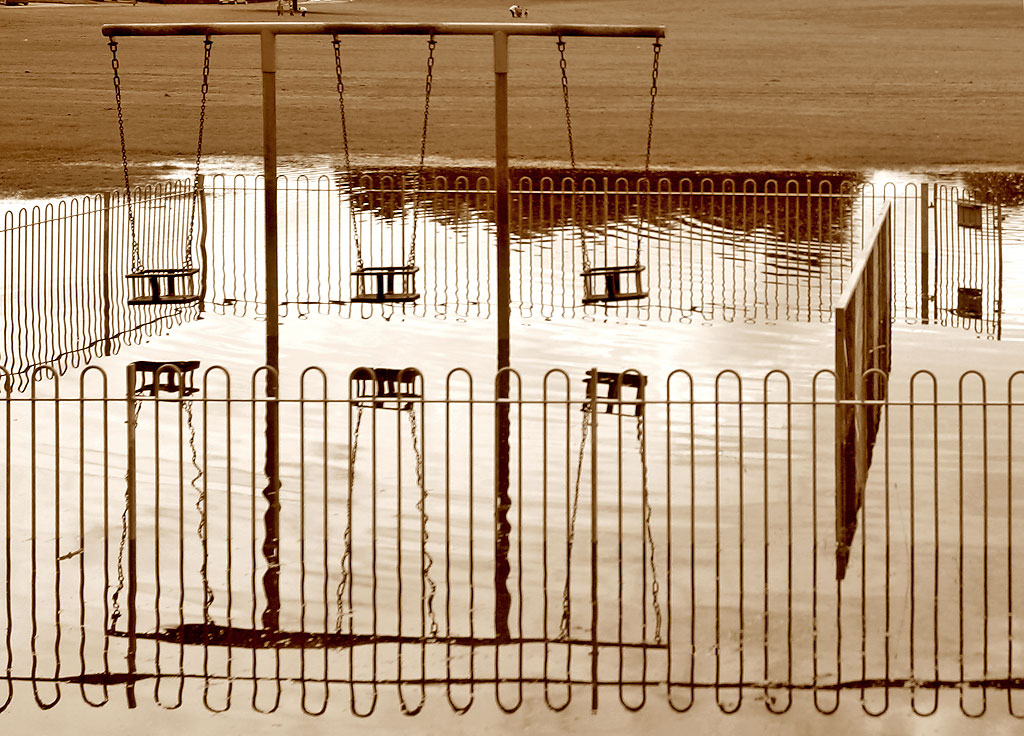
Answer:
(165, 286)
(380, 284)
(612, 284)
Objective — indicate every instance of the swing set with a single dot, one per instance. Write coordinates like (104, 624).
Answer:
(376, 283)
(174, 285)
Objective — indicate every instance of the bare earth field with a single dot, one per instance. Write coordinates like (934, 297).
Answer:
(745, 84)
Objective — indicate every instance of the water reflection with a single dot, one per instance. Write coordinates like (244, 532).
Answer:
(806, 207)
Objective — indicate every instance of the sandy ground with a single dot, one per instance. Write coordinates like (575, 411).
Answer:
(788, 84)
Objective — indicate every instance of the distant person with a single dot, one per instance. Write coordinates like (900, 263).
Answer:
(518, 11)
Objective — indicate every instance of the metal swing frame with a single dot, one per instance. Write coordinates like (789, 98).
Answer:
(616, 283)
(385, 284)
(500, 33)
(162, 286)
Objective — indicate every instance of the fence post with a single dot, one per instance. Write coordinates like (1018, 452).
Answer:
(592, 400)
(203, 270)
(131, 522)
(106, 274)
(923, 206)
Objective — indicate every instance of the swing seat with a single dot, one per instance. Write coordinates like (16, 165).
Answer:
(381, 284)
(614, 399)
(386, 388)
(612, 284)
(163, 286)
(149, 372)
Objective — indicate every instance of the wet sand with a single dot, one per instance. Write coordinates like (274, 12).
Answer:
(794, 84)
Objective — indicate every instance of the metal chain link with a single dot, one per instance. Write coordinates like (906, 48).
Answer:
(565, 98)
(207, 46)
(650, 136)
(421, 507)
(654, 94)
(201, 508)
(136, 258)
(431, 43)
(641, 438)
(577, 214)
(563, 629)
(115, 605)
(346, 554)
(348, 160)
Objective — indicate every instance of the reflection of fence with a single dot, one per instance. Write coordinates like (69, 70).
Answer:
(682, 550)
(64, 296)
(711, 248)
(968, 261)
(863, 361)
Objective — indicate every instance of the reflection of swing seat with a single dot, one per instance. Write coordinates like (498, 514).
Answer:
(151, 371)
(612, 284)
(615, 397)
(165, 286)
(380, 284)
(386, 388)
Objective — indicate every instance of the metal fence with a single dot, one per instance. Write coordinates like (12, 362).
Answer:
(64, 293)
(672, 544)
(711, 248)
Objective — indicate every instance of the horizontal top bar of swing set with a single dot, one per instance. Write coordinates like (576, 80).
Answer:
(381, 29)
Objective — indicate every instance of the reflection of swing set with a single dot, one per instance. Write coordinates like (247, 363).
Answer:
(622, 394)
(151, 379)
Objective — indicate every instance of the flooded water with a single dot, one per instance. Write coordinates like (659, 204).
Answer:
(742, 285)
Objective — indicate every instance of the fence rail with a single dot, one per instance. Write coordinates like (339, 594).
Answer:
(665, 547)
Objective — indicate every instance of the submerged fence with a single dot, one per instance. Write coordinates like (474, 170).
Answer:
(671, 545)
(64, 294)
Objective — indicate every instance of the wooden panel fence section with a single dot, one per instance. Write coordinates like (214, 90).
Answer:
(863, 359)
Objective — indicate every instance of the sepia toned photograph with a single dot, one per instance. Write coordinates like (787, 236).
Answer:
(454, 367)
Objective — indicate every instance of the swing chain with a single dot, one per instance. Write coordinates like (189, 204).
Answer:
(421, 507)
(348, 160)
(641, 438)
(431, 43)
(565, 98)
(654, 94)
(578, 213)
(346, 555)
(207, 46)
(563, 629)
(136, 258)
(201, 528)
(115, 605)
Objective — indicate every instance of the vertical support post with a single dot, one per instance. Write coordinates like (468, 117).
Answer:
(272, 516)
(503, 501)
(924, 252)
(106, 274)
(131, 522)
(592, 398)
